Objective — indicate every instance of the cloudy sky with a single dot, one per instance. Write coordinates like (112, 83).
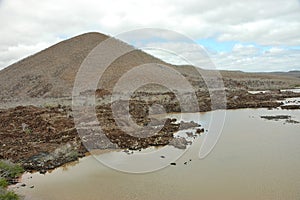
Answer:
(257, 35)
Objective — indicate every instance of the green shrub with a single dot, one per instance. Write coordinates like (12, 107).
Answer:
(3, 182)
(28, 131)
(49, 105)
(73, 155)
(9, 170)
(9, 195)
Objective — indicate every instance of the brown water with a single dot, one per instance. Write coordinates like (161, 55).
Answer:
(254, 159)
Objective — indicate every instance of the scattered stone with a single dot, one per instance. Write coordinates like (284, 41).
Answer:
(290, 107)
(31, 186)
(180, 143)
(291, 121)
(190, 134)
(173, 163)
(162, 156)
(24, 126)
(187, 125)
(23, 185)
(173, 120)
(287, 118)
(199, 130)
(276, 117)
(126, 151)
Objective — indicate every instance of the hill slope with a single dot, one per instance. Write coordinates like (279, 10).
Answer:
(51, 72)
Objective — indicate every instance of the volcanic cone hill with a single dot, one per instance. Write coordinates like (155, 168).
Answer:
(51, 72)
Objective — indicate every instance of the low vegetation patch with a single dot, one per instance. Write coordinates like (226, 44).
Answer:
(3, 183)
(8, 172)
(8, 195)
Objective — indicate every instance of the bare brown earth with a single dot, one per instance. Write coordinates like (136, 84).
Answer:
(44, 138)
(36, 123)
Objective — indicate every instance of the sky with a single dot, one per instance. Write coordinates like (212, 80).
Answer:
(249, 35)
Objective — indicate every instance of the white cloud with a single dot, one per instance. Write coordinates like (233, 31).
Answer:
(275, 50)
(242, 57)
(25, 25)
(14, 53)
(180, 53)
(245, 50)
(255, 59)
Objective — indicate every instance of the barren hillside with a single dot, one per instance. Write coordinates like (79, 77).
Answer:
(51, 72)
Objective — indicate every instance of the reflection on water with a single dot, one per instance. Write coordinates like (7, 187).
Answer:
(258, 91)
(254, 159)
(291, 101)
(296, 90)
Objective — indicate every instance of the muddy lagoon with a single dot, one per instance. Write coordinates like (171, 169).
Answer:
(255, 158)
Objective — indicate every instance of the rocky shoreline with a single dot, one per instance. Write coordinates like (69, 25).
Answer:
(41, 138)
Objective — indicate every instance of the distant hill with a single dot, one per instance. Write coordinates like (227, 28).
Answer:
(294, 73)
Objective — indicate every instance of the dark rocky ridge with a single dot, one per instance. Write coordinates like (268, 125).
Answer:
(45, 138)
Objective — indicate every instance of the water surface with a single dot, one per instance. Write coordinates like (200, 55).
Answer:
(254, 159)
